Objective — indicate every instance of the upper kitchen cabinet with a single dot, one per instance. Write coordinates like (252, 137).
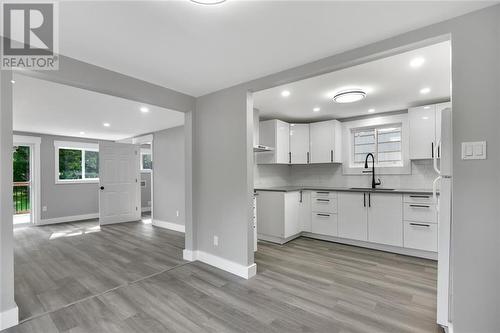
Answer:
(425, 130)
(299, 144)
(275, 134)
(325, 142)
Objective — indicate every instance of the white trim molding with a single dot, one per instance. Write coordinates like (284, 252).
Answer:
(232, 267)
(9, 318)
(72, 218)
(169, 225)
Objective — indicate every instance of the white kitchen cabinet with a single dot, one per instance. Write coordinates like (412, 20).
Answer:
(352, 215)
(425, 130)
(299, 144)
(325, 140)
(305, 211)
(277, 215)
(275, 134)
(422, 121)
(324, 224)
(385, 218)
(421, 236)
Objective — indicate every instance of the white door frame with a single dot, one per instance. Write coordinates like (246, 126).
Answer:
(35, 191)
(149, 138)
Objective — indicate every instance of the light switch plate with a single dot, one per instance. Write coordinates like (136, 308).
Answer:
(474, 150)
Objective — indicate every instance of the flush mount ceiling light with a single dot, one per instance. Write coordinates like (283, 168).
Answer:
(425, 90)
(285, 93)
(349, 96)
(417, 62)
(208, 2)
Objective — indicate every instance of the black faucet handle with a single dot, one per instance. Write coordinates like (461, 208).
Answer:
(378, 181)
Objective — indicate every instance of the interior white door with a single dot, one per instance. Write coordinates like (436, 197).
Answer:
(119, 174)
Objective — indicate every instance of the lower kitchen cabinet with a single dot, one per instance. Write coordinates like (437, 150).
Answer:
(324, 224)
(385, 218)
(305, 211)
(421, 236)
(352, 215)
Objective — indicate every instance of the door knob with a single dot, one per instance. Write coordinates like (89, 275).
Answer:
(102, 187)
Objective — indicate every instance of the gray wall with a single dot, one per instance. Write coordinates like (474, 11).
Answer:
(6, 227)
(62, 200)
(220, 143)
(169, 175)
(146, 191)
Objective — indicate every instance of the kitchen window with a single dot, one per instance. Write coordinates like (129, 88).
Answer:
(383, 142)
(76, 162)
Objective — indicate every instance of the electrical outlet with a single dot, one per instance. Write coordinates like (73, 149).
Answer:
(177, 213)
(44, 208)
(216, 240)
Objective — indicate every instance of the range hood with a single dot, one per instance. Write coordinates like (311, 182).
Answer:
(261, 148)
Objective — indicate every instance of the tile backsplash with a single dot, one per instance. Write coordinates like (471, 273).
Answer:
(421, 177)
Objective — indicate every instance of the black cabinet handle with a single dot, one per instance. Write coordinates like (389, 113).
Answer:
(439, 153)
(300, 196)
(307, 157)
(290, 157)
(369, 199)
(102, 187)
(322, 192)
(420, 196)
(364, 199)
(432, 149)
(331, 155)
(323, 200)
(327, 215)
(420, 206)
(420, 225)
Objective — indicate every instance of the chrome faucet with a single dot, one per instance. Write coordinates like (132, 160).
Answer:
(374, 184)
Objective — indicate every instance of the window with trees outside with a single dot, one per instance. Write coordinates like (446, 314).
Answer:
(76, 162)
(383, 142)
(146, 160)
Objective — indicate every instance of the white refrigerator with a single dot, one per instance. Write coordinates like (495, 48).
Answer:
(444, 211)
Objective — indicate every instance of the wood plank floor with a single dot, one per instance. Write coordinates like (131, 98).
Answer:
(131, 278)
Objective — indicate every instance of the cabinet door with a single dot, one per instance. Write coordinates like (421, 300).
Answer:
(324, 224)
(305, 211)
(422, 131)
(282, 142)
(385, 218)
(270, 213)
(352, 215)
(292, 200)
(299, 143)
(322, 138)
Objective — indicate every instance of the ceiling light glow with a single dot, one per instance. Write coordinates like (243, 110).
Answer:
(208, 2)
(349, 96)
(371, 110)
(285, 93)
(316, 109)
(144, 109)
(82, 133)
(425, 90)
(417, 62)
(106, 124)
(12, 81)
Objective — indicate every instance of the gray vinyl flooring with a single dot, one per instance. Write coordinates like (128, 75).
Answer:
(77, 277)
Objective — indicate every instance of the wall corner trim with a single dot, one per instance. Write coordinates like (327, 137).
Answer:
(9, 318)
(169, 225)
(245, 272)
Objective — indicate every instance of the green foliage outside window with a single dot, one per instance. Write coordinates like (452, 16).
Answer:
(70, 164)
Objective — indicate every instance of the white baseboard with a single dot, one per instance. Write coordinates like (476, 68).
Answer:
(145, 209)
(169, 225)
(9, 318)
(245, 272)
(64, 219)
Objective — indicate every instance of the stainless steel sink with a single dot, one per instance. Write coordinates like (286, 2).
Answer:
(372, 189)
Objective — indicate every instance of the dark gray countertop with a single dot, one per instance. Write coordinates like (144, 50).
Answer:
(345, 189)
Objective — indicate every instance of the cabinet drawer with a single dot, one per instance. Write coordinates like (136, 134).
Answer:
(420, 212)
(324, 224)
(419, 198)
(324, 194)
(324, 205)
(421, 236)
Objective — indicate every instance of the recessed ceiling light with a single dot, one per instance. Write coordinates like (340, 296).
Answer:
(349, 96)
(106, 124)
(144, 109)
(12, 81)
(82, 133)
(425, 118)
(208, 2)
(316, 109)
(417, 62)
(371, 110)
(427, 107)
(285, 93)
(425, 90)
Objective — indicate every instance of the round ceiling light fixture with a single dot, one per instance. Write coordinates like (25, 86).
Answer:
(349, 96)
(208, 2)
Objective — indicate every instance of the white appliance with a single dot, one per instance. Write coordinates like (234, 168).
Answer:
(443, 206)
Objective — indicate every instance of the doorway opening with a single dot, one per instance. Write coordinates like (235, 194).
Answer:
(22, 194)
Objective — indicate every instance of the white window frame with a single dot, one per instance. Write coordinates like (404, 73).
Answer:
(83, 146)
(145, 151)
(400, 120)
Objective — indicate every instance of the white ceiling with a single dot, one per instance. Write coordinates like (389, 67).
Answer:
(51, 108)
(199, 49)
(391, 84)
